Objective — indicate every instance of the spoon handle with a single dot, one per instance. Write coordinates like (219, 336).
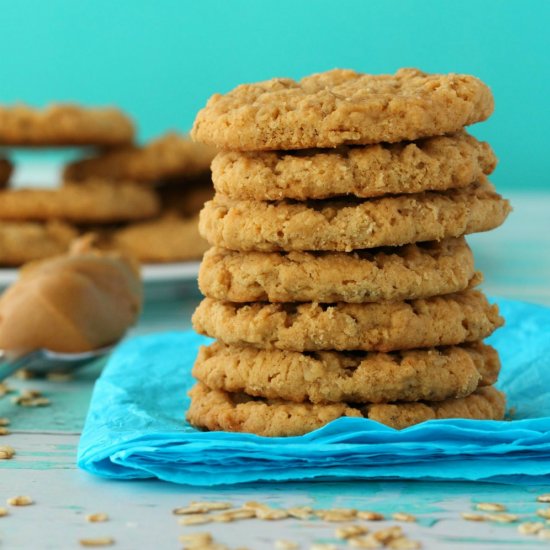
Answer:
(10, 366)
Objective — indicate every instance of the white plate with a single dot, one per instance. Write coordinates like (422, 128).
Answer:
(151, 274)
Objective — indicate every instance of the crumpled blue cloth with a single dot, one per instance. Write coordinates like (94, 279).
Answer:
(136, 428)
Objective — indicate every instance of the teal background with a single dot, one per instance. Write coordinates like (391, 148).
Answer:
(161, 60)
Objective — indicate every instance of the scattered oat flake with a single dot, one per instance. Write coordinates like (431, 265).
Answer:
(31, 398)
(337, 514)
(4, 389)
(544, 534)
(196, 539)
(3, 511)
(349, 531)
(490, 507)
(283, 544)
(503, 518)
(364, 542)
(197, 519)
(530, 527)
(541, 498)
(233, 515)
(60, 376)
(271, 514)
(385, 536)
(300, 512)
(6, 452)
(402, 516)
(210, 506)
(403, 543)
(99, 541)
(369, 515)
(4, 421)
(470, 516)
(323, 546)
(96, 518)
(4, 431)
(20, 501)
(544, 513)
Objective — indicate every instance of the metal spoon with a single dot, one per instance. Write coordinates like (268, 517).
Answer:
(43, 361)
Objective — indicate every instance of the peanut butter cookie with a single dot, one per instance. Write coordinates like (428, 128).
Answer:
(396, 273)
(384, 326)
(342, 107)
(64, 125)
(431, 164)
(345, 225)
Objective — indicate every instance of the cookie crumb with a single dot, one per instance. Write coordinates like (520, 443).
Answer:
(541, 498)
(233, 515)
(4, 431)
(337, 514)
(364, 542)
(300, 512)
(323, 546)
(4, 421)
(544, 513)
(5, 389)
(403, 543)
(385, 536)
(3, 511)
(20, 501)
(100, 541)
(97, 517)
(196, 540)
(59, 376)
(402, 516)
(490, 507)
(197, 519)
(31, 398)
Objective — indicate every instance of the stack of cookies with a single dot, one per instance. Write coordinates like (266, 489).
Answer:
(142, 200)
(340, 282)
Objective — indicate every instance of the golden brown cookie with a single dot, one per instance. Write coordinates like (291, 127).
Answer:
(186, 200)
(22, 242)
(396, 273)
(64, 124)
(221, 411)
(342, 107)
(168, 157)
(355, 377)
(93, 202)
(383, 326)
(346, 225)
(432, 164)
(6, 169)
(169, 238)
(484, 404)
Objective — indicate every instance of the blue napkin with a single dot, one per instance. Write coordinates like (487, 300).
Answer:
(136, 428)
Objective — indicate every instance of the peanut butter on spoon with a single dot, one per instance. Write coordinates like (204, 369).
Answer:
(73, 303)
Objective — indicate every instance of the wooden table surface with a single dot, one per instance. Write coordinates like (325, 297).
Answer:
(516, 263)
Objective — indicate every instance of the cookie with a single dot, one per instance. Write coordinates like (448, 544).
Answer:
(342, 107)
(396, 273)
(168, 157)
(383, 326)
(6, 169)
(64, 125)
(222, 411)
(432, 164)
(169, 238)
(354, 377)
(22, 242)
(93, 202)
(186, 200)
(345, 225)
(217, 410)
(485, 404)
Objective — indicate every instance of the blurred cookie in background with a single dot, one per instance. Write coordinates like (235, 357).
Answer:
(6, 169)
(64, 124)
(170, 157)
(22, 241)
(169, 238)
